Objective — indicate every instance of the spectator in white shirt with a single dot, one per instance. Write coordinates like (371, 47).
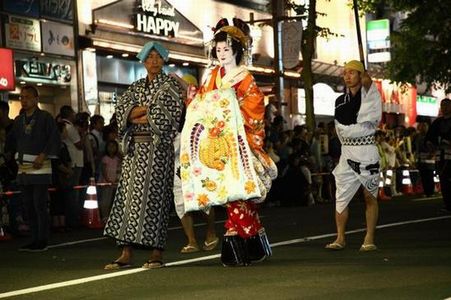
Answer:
(74, 145)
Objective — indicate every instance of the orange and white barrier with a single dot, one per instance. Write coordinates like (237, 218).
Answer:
(381, 195)
(437, 182)
(407, 188)
(91, 214)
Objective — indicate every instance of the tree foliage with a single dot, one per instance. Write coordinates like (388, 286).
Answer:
(308, 14)
(309, 35)
(421, 47)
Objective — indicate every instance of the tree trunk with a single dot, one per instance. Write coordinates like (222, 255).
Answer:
(308, 49)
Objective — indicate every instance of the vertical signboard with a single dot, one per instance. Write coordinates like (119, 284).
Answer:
(378, 40)
(291, 43)
(90, 77)
(58, 38)
(23, 33)
(6, 70)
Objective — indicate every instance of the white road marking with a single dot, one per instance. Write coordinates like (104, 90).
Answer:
(104, 238)
(188, 261)
(426, 199)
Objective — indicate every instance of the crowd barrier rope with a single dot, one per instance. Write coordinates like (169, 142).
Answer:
(54, 189)
(100, 184)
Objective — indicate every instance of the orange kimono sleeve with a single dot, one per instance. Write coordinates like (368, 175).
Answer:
(252, 107)
(205, 87)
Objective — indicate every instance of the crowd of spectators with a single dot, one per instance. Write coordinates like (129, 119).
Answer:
(89, 149)
(305, 160)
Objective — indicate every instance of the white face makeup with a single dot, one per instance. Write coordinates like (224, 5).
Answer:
(225, 55)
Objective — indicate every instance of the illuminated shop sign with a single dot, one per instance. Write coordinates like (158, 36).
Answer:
(58, 38)
(7, 70)
(33, 68)
(323, 102)
(427, 106)
(23, 33)
(378, 40)
(157, 17)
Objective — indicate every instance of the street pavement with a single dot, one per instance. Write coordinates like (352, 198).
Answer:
(413, 260)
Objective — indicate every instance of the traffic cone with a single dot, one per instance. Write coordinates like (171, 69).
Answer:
(91, 217)
(407, 188)
(437, 182)
(418, 188)
(381, 196)
(4, 219)
(4, 236)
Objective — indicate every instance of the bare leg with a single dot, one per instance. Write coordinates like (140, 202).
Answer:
(156, 255)
(187, 224)
(211, 231)
(211, 240)
(155, 261)
(341, 219)
(371, 213)
(126, 255)
(123, 261)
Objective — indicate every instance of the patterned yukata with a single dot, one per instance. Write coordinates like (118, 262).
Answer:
(242, 215)
(140, 211)
(356, 121)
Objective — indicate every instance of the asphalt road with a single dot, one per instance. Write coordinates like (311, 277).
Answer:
(413, 261)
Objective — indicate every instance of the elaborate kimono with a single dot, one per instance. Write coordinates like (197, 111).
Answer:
(222, 157)
(356, 121)
(142, 202)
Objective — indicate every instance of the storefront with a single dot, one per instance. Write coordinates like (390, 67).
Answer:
(112, 35)
(41, 38)
(399, 103)
(7, 78)
(107, 77)
(323, 103)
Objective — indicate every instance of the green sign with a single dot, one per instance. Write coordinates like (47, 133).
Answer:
(378, 40)
(378, 34)
(383, 24)
(427, 99)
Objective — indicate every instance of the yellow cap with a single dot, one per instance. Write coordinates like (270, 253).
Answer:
(355, 65)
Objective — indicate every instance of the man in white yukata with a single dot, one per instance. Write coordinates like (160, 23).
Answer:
(357, 115)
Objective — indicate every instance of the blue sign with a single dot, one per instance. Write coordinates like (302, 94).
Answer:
(57, 9)
(22, 7)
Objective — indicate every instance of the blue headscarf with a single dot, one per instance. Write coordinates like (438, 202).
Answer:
(144, 53)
